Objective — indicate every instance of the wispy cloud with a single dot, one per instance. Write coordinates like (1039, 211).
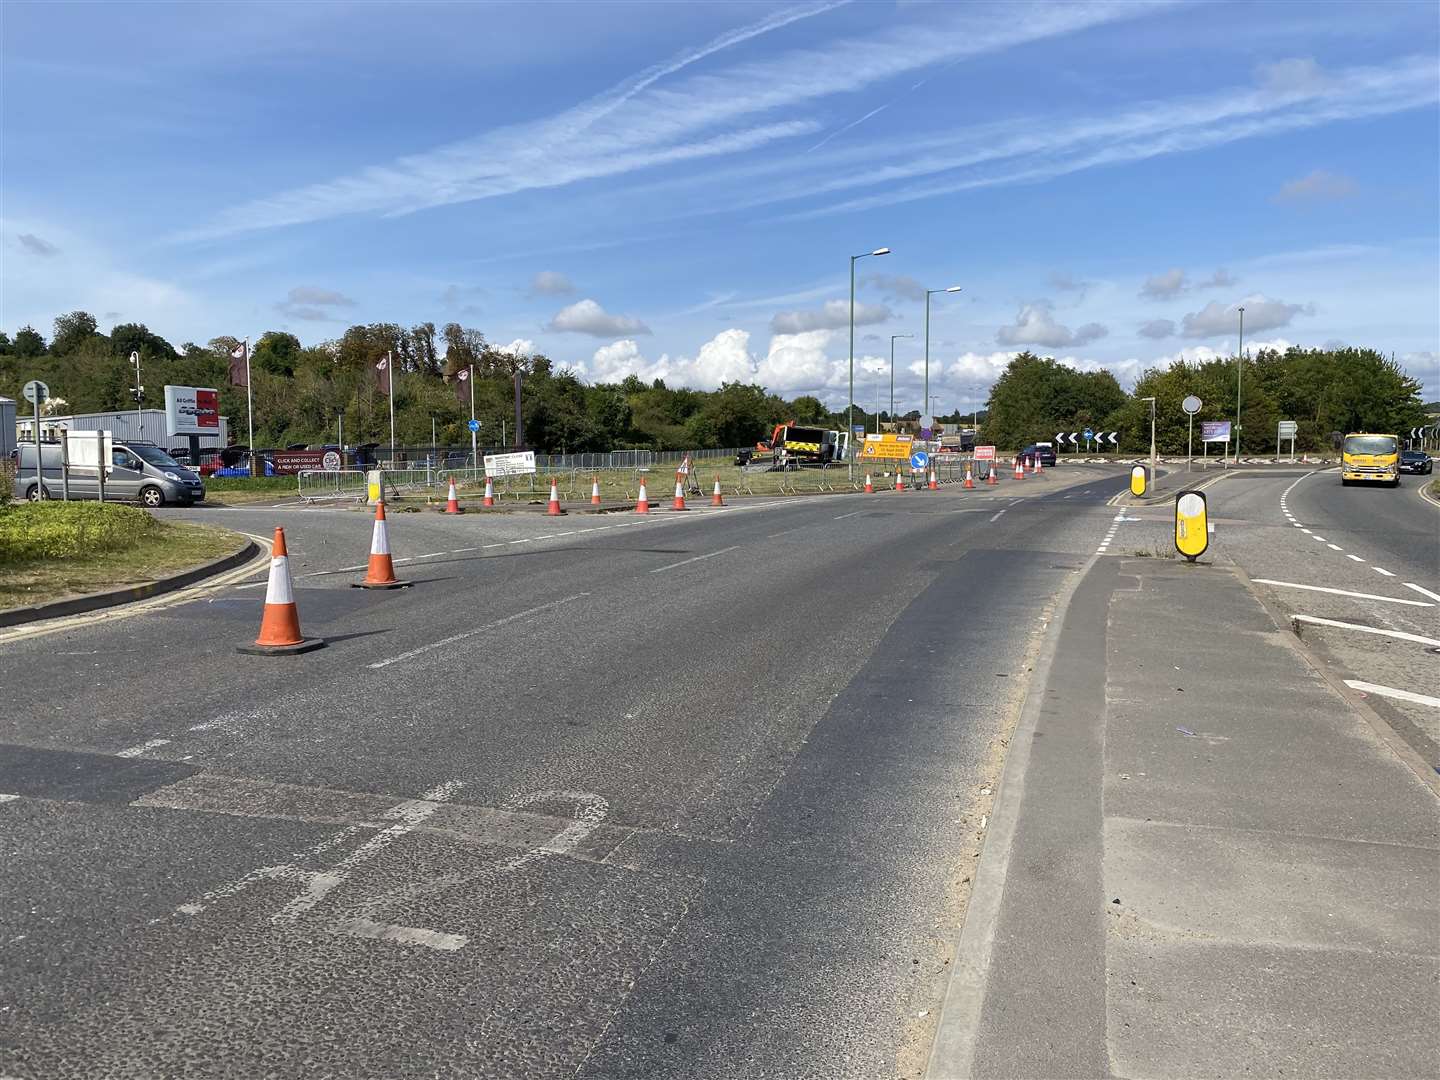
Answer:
(641, 124)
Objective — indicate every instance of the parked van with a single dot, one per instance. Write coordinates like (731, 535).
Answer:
(141, 473)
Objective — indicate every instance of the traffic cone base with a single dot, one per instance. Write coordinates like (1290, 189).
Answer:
(280, 624)
(380, 573)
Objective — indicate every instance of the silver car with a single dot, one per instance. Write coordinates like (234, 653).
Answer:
(139, 473)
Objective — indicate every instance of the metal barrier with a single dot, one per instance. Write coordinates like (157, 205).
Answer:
(316, 485)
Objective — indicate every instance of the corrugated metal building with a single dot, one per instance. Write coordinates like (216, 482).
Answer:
(146, 426)
(7, 427)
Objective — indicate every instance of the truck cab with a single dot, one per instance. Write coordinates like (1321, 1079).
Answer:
(1370, 459)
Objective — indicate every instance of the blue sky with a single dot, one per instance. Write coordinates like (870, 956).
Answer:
(675, 190)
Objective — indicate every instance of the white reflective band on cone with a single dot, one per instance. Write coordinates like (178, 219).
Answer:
(379, 541)
(279, 590)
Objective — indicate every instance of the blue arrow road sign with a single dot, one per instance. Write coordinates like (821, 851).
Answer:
(919, 459)
(474, 425)
(1088, 434)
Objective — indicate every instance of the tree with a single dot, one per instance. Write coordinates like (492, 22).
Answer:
(71, 331)
(809, 410)
(276, 352)
(28, 342)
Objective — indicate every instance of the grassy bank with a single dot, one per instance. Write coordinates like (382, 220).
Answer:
(54, 549)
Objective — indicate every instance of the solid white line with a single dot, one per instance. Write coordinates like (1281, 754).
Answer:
(1354, 558)
(477, 630)
(1366, 629)
(1390, 691)
(144, 748)
(1340, 592)
(1382, 570)
(697, 558)
(993, 517)
(842, 517)
(1421, 590)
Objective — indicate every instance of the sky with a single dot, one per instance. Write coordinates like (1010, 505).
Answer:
(677, 190)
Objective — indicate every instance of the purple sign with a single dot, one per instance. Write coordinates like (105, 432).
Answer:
(1214, 431)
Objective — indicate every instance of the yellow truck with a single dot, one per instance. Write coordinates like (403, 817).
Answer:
(1373, 459)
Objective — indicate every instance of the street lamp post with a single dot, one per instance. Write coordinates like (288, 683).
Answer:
(892, 373)
(850, 404)
(929, 293)
(1239, 367)
(1151, 400)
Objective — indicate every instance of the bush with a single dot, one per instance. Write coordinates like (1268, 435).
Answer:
(67, 530)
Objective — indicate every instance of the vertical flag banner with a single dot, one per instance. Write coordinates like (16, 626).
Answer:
(382, 374)
(240, 365)
(462, 386)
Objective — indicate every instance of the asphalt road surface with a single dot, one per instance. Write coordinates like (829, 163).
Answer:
(692, 795)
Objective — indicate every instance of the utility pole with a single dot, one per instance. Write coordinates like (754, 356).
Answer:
(925, 400)
(139, 395)
(474, 458)
(1151, 400)
(850, 403)
(1239, 367)
(892, 374)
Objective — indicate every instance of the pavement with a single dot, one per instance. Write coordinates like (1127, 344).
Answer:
(1209, 856)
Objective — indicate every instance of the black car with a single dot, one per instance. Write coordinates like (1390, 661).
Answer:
(1416, 461)
(1041, 452)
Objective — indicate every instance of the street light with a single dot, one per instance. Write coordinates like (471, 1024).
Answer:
(1151, 400)
(1239, 367)
(929, 293)
(850, 405)
(892, 374)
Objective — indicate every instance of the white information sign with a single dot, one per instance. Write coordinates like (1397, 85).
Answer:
(521, 464)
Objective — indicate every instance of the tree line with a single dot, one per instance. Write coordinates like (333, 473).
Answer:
(301, 393)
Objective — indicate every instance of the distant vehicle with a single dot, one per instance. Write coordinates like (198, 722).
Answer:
(1370, 459)
(791, 445)
(1416, 461)
(140, 473)
(1042, 452)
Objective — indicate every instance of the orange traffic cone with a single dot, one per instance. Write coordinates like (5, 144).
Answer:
(1030, 463)
(1019, 469)
(381, 571)
(452, 502)
(595, 491)
(934, 482)
(489, 499)
(280, 625)
(991, 476)
(679, 495)
(969, 479)
(642, 503)
(1039, 466)
(553, 510)
(899, 480)
(717, 499)
(869, 487)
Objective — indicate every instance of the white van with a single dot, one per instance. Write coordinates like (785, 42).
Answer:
(140, 472)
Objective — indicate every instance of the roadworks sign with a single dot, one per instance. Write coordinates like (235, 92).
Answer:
(887, 447)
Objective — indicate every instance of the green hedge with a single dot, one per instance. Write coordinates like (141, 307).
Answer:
(66, 530)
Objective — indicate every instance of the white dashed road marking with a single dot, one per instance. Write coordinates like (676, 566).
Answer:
(476, 630)
(697, 558)
(143, 748)
(1341, 592)
(1363, 629)
(1382, 570)
(1391, 692)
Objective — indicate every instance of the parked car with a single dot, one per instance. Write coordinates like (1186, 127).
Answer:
(1416, 461)
(139, 472)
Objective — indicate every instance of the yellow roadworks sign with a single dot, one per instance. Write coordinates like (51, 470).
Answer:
(886, 447)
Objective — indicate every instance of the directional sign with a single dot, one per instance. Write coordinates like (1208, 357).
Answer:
(919, 459)
(473, 425)
(1089, 434)
(1059, 438)
(36, 392)
(1114, 438)
(1074, 438)
(1191, 404)
(1287, 429)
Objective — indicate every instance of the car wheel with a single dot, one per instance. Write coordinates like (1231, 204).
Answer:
(32, 493)
(152, 497)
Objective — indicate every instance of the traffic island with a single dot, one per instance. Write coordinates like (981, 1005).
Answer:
(62, 558)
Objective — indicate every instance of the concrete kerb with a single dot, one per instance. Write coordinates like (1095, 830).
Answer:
(953, 1054)
(76, 605)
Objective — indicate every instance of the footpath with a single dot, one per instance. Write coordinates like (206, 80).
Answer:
(1202, 860)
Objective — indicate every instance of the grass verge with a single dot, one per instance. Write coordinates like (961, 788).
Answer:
(52, 550)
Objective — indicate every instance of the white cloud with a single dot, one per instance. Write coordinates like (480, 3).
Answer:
(551, 283)
(310, 294)
(1064, 281)
(1298, 75)
(1316, 186)
(834, 315)
(1158, 328)
(894, 286)
(1163, 286)
(522, 347)
(1261, 313)
(611, 363)
(37, 245)
(1035, 325)
(588, 317)
(724, 358)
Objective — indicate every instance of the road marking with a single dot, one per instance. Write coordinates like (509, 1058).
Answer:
(1391, 692)
(697, 558)
(144, 748)
(1341, 592)
(1421, 590)
(1334, 547)
(1354, 558)
(996, 516)
(842, 517)
(1382, 570)
(1319, 538)
(1366, 629)
(477, 630)
(1304, 530)
(405, 935)
(8, 798)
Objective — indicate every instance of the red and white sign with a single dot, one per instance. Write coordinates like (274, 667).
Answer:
(984, 453)
(192, 410)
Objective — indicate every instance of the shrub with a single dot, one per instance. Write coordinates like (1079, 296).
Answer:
(67, 530)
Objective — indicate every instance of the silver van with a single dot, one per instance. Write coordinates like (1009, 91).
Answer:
(140, 473)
